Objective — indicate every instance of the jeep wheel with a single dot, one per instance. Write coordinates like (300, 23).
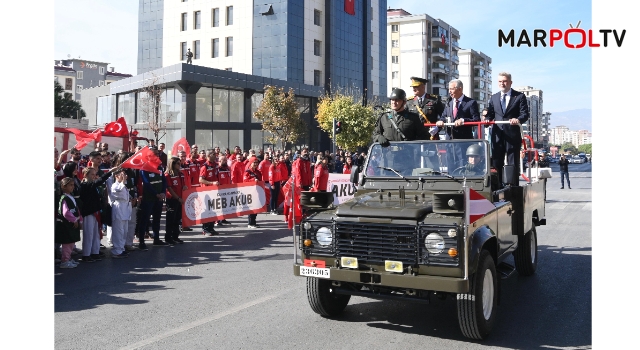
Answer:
(323, 300)
(476, 310)
(526, 255)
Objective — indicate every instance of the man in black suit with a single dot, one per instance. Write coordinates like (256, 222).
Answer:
(428, 106)
(459, 109)
(507, 105)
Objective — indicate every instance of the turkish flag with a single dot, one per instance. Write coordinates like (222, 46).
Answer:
(476, 206)
(443, 39)
(292, 207)
(145, 159)
(83, 138)
(350, 7)
(117, 128)
(180, 145)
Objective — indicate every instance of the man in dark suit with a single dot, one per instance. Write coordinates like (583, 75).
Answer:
(459, 109)
(507, 105)
(428, 106)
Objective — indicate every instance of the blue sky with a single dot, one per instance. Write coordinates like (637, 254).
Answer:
(564, 75)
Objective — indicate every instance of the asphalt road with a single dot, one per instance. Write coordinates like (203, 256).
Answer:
(237, 291)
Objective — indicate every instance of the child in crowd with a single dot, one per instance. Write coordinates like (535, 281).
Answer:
(121, 214)
(67, 229)
(91, 205)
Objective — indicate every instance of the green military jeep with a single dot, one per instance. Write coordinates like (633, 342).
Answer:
(429, 218)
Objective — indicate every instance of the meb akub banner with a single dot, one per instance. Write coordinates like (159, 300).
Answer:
(341, 186)
(213, 203)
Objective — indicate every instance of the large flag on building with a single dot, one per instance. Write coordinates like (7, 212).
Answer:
(180, 145)
(145, 159)
(83, 138)
(350, 7)
(117, 128)
(476, 205)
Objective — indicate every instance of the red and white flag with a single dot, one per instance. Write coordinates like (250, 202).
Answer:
(145, 159)
(476, 205)
(292, 207)
(83, 138)
(180, 145)
(350, 7)
(117, 128)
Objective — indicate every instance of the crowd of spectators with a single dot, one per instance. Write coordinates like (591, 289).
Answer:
(94, 197)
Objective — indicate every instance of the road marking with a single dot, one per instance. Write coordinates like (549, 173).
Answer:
(186, 327)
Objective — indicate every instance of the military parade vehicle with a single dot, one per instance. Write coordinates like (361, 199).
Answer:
(426, 222)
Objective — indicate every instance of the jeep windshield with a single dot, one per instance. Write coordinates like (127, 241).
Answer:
(458, 158)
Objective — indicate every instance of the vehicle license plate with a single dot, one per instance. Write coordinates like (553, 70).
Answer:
(314, 272)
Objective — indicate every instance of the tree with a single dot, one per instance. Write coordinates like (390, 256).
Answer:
(586, 148)
(64, 105)
(150, 98)
(568, 147)
(279, 115)
(358, 119)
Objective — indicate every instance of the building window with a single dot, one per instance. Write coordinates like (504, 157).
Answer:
(394, 59)
(316, 47)
(79, 75)
(215, 17)
(316, 78)
(394, 28)
(316, 17)
(394, 43)
(196, 20)
(196, 49)
(394, 75)
(68, 84)
(183, 51)
(100, 82)
(229, 15)
(215, 47)
(229, 51)
(101, 70)
(183, 21)
(78, 89)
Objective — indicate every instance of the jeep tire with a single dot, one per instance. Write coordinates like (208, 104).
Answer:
(323, 300)
(477, 309)
(526, 255)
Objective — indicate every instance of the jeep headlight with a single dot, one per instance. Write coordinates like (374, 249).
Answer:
(324, 236)
(434, 243)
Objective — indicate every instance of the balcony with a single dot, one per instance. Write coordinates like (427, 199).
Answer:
(440, 54)
(438, 83)
(455, 45)
(488, 68)
(455, 58)
(439, 68)
(478, 64)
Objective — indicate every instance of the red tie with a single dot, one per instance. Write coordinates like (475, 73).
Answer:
(455, 109)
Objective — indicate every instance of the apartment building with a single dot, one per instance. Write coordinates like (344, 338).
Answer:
(538, 123)
(561, 134)
(312, 42)
(420, 45)
(76, 74)
(475, 74)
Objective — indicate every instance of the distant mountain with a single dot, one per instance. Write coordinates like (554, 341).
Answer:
(576, 119)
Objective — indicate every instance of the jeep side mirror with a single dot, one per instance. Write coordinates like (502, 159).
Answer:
(355, 171)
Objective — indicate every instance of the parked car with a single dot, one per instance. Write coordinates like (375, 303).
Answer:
(577, 160)
(553, 160)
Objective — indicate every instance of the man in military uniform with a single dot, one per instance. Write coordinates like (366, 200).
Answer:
(400, 124)
(475, 161)
(428, 106)
(189, 56)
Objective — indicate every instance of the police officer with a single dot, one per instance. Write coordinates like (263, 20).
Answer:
(400, 124)
(428, 106)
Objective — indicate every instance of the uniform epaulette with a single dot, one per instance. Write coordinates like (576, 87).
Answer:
(410, 98)
(434, 95)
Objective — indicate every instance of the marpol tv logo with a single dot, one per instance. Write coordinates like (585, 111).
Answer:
(572, 38)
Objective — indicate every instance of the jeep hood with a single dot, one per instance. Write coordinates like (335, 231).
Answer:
(382, 204)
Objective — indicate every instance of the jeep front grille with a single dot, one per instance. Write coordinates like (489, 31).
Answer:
(370, 242)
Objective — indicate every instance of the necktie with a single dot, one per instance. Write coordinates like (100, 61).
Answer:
(503, 102)
(455, 108)
(420, 101)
